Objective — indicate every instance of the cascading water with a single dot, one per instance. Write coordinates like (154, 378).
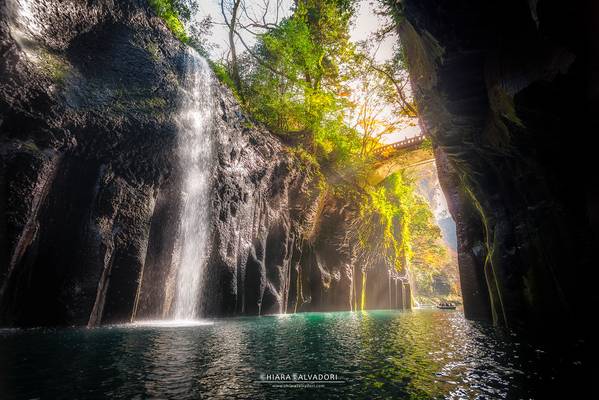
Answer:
(195, 154)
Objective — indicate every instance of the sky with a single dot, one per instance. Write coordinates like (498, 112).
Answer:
(220, 31)
(364, 24)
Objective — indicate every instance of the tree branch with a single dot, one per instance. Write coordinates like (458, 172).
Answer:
(399, 89)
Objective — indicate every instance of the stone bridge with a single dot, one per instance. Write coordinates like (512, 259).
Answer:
(406, 153)
(405, 144)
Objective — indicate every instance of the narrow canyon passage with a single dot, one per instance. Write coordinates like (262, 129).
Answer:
(292, 199)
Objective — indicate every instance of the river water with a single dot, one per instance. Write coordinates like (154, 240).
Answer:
(423, 354)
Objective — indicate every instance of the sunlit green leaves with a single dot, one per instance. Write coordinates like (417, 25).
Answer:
(168, 11)
(298, 93)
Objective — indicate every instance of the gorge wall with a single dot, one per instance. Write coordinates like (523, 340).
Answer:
(90, 183)
(508, 93)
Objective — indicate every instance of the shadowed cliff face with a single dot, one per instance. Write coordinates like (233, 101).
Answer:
(90, 183)
(86, 152)
(507, 92)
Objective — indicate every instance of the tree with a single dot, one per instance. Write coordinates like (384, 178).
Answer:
(371, 115)
(296, 73)
(239, 19)
(232, 24)
(397, 91)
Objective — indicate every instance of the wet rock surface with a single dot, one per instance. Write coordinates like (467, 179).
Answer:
(507, 92)
(86, 149)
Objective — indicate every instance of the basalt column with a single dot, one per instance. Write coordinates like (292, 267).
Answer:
(407, 296)
(400, 294)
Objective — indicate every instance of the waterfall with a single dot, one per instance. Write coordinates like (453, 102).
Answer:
(195, 154)
(25, 27)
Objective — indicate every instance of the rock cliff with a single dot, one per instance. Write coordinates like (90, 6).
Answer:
(90, 182)
(508, 93)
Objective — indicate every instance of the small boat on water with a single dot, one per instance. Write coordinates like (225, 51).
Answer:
(446, 306)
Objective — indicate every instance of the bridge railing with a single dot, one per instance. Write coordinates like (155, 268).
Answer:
(402, 144)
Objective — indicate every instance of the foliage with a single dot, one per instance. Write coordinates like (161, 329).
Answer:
(427, 144)
(222, 74)
(394, 9)
(176, 15)
(430, 256)
(295, 76)
(397, 224)
(169, 11)
(390, 205)
(381, 223)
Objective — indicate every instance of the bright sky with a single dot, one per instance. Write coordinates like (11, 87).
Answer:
(365, 23)
(220, 34)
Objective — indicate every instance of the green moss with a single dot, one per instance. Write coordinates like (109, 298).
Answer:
(248, 124)
(308, 165)
(171, 78)
(503, 104)
(166, 10)
(139, 100)
(391, 208)
(504, 117)
(155, 103)
(489, 268)
(54, 67)
(154, 51)
(427, 144)
(223, 76)
(363, 294)
(30, 145)
(306, 159)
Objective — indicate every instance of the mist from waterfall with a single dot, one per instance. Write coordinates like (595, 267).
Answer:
(195, 154)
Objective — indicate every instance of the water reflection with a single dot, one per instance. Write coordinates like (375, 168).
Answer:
(167, 355)
(168, 323)
(379, 354)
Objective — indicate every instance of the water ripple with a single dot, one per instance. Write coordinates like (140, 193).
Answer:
(425, 354)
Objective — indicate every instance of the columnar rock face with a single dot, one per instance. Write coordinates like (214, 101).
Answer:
(508, 93)
(86, 156)
(90, 192)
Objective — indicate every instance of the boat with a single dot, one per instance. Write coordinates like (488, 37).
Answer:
(446, 306)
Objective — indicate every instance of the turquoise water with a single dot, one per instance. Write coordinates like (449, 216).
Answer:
(380, 354)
